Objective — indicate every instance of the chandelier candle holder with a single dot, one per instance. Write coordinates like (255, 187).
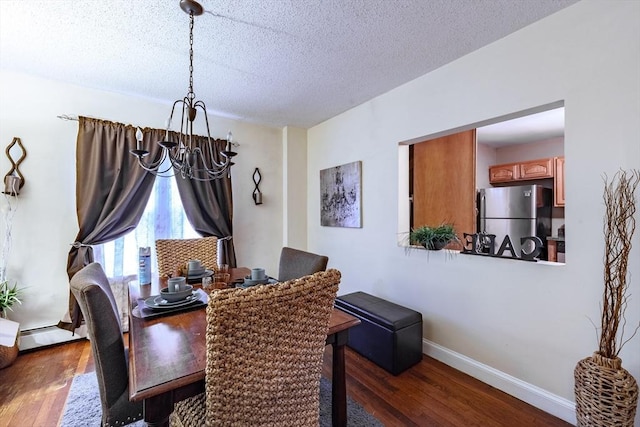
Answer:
(189, 155)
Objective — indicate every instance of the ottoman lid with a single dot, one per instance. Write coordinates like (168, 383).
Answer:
(382, 312)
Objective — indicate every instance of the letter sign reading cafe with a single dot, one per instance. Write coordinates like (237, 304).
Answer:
(485, 244)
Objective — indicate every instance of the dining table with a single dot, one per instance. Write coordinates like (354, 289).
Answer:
(167, 354)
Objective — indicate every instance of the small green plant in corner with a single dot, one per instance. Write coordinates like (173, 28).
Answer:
(433, 238)
(9, 295)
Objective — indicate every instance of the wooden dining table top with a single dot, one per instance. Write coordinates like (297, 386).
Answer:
(169, 352)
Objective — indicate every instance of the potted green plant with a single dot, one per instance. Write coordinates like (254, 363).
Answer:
(433, 238)
(9, 295)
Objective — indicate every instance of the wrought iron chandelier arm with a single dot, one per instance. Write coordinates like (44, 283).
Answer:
(206, 173)
(177, 161)
(153, 166)
(209, 161)
(170, 119)
(140, 152)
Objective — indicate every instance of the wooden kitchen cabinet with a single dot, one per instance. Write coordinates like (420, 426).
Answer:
(503, 173)
(552, 167)
(536, 169)
(522, 171)
(558, 182)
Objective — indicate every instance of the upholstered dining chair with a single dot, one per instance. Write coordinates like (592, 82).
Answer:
(172, 253)
(295, 263)
(91, 288)
(264, 355)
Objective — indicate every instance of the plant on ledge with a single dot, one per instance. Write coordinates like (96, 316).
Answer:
(433, 238)
(8, 296)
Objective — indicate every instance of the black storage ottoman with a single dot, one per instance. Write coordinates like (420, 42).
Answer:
(389, 334)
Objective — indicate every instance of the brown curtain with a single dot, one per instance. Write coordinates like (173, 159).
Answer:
(112, 190)
(209, 206)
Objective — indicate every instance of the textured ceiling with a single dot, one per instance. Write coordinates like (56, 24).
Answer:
(272, 62)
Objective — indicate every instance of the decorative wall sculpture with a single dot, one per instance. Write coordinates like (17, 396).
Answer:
(13, 180)
(257, 195)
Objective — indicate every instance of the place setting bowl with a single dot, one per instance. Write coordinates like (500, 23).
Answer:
(258, 277)
(194, 270)
(175, 296)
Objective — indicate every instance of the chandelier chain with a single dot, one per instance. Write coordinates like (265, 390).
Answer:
(191, 94)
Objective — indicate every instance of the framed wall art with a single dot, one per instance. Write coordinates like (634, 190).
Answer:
(340, 196)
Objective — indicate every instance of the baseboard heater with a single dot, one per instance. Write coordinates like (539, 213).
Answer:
(48, 335)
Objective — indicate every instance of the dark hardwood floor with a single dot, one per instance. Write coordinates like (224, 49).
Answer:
(434, 394)
(34, 389)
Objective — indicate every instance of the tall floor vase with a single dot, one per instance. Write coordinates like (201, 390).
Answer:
(606, 393)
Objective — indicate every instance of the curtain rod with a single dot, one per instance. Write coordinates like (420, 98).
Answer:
(74, 118)
(68, 117)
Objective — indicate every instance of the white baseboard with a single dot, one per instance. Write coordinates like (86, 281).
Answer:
(533, 395)
(49, 335)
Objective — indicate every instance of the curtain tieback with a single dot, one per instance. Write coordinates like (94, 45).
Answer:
(225, 238)
(79, 245)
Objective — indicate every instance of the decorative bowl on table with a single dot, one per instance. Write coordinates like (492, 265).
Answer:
(176, 296)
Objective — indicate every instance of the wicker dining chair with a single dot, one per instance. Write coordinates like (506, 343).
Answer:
(265, 346)
(91, 288)
(174, 253)
(295, 263)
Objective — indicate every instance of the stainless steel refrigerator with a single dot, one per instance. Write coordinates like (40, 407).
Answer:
(520, 211)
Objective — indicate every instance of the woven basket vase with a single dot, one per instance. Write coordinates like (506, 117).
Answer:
(606, 393)
(8, 354)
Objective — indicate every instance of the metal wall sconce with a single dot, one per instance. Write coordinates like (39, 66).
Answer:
(257, 195)
(13, 180)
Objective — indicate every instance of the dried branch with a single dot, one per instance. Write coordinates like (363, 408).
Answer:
(619, 226)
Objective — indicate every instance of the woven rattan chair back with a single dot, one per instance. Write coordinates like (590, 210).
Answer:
(174, 253)
(264, 355)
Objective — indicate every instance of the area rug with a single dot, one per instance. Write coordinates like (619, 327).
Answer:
(83, 406)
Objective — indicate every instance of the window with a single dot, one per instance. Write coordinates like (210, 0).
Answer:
(163, 218)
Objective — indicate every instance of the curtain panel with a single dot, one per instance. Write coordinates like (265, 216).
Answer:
(111, 191)
(209, 206)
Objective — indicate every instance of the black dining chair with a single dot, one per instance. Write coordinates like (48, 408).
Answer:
(91, 288)
(295, 263)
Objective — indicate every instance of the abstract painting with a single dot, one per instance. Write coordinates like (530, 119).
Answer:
(340, 194)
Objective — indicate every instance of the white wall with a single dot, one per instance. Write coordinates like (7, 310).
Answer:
(45, 224)
(294, 191)
(530, 151)
(529, 321)
(485, 158)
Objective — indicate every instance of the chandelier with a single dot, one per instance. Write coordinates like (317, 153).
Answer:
(190, 156)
